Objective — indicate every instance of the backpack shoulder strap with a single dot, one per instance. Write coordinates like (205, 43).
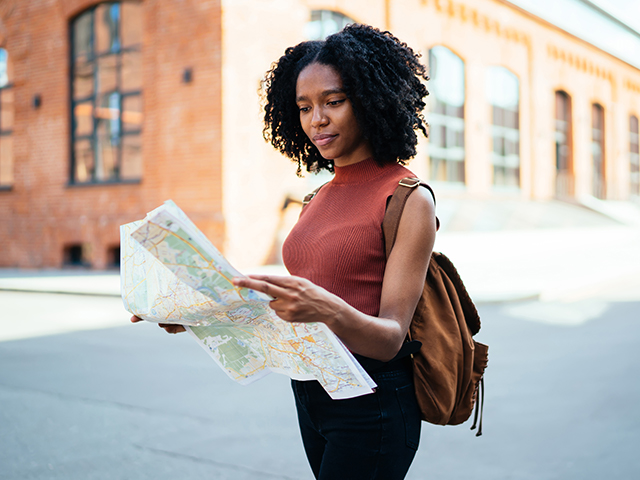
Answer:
(309, 196)
(391, 220)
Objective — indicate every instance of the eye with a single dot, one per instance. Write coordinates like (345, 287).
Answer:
(335, 102)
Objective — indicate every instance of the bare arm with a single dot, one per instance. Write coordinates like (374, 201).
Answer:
(299, 300)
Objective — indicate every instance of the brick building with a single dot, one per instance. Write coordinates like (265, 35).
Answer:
(109, 108)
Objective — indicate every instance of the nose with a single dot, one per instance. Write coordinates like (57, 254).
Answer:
(318, 117)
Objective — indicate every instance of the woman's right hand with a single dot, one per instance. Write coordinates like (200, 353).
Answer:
(168, 327)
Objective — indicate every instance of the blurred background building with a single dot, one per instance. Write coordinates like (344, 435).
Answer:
(109, 108)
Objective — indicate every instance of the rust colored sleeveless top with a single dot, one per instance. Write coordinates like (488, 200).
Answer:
(337, 242)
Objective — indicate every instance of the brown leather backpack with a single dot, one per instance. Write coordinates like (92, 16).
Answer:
(449, 368)
(448, 364)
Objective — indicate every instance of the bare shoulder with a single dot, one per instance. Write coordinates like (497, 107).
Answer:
(420, 206)
(417, 228)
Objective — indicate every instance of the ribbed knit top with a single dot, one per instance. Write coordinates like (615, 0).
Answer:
(337, 242)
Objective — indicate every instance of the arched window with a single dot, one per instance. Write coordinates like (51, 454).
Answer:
(563, 141)
(446, 115)
(503, 94)
(597, 150)
(6, 122)
(324, 23)
(106, 93)
(634, 156)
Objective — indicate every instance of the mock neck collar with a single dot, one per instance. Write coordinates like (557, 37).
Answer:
(359, 172)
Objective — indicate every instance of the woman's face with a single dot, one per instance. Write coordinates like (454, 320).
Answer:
(327, 116)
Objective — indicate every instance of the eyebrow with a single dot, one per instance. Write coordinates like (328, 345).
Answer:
(324, 94)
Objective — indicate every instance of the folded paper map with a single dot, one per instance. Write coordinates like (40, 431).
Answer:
(171, 273)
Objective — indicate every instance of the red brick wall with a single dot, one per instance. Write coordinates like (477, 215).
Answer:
(181, 137)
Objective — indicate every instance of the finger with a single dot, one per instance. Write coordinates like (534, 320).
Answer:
(136, 319)
(172, 328)
(278, 280)
(260, 286)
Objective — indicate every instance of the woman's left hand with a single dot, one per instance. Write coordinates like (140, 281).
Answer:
(168, 327)
(295, 299)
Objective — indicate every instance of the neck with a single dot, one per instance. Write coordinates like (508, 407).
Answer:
(359, 172)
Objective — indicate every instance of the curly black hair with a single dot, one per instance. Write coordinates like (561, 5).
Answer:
(380, 76)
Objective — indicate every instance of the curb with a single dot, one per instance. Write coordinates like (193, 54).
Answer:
(61, 292)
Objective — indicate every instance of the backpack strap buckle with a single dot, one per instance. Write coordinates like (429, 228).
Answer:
(409, 182)
(308, 198)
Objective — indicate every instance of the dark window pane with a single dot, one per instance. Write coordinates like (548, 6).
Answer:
(597, 151)
(455, 111)
(4, 68)
(132, 113)
(498, 116)
(6, 120)
(109, 110)
(563, 150)
(439, 136)
(516, 120)
(83, 79)
(76, 255)
(84, 119)
(497, 145)
(131, 23)
(510, 119)
(107, 20)
(131, 71)
(6, 160)
(107, 74)
(6, 110)
(597, 118)
(438, 169)
(458, 171)
(83, 161)
(82, 37)
(107, 152)
(131, 157)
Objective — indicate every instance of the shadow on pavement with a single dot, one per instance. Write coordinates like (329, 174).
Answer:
(132, 402)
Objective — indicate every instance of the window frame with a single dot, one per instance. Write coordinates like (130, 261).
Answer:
(449, 121)
(502, 132)
(564, 176)
(7, 133)
(634, 156)
(93, 99)
(598, 165)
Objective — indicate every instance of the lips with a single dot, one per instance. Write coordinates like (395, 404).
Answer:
(323, 139)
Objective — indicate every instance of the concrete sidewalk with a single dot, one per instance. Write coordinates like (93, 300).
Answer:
(548, 264)
(497, 266)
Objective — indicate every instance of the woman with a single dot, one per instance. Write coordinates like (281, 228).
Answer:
(351, 104)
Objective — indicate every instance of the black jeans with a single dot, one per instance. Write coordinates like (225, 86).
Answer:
(369, 437)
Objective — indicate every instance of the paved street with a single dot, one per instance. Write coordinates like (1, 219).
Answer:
(122, 401)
